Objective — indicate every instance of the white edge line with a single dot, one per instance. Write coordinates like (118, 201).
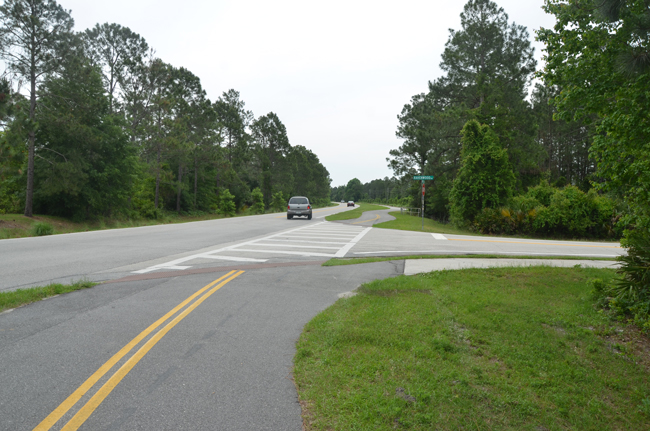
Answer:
(344, 250)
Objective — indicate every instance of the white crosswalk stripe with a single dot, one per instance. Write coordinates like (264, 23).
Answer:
(323, 239)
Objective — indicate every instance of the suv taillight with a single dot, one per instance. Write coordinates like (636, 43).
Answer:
(288, 207)
(308, 207)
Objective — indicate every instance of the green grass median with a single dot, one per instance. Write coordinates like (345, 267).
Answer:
(355, 213)
(16, 298)
(479, 349)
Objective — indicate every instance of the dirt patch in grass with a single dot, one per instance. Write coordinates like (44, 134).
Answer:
(5, 224)
(633, 343)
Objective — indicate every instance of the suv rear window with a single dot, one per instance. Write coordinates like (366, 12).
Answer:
(299, 201)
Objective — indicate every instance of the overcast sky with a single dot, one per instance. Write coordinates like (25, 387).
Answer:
(336, 73)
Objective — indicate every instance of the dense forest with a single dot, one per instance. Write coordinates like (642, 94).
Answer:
(95, 125)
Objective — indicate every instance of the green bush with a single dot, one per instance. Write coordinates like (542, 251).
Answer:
(42, 229)
(504, 220)
(568, 212)
(631, 291)
(573, 213)
(227, 203)
(279, 202)
(628, 297)
(542, 193)
(11, 196)
(258, 201)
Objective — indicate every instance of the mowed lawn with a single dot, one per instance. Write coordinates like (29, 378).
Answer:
(475, 349)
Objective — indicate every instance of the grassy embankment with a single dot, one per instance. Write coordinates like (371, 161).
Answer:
(19, 226)
(16, 298)
(503, 348)
(355, 213)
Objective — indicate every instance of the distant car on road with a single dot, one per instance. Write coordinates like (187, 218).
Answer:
(342, 201)
(350, 203)
(299, 206)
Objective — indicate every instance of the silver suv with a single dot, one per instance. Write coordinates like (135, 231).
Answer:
(299, 206)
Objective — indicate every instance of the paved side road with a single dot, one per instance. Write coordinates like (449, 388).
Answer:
(226, 365)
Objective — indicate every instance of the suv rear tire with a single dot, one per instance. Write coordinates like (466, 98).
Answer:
(289, 217)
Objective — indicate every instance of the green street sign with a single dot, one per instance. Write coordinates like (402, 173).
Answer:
(422, 177)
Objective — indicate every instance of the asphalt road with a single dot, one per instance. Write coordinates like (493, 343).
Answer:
(163, 345)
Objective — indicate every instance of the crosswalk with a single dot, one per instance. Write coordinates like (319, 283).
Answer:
(323, 239)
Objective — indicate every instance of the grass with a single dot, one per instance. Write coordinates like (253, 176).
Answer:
(409, 222)
(355, 213)
(358, 260)
(19, 226)
(16, 298)
(474, 349)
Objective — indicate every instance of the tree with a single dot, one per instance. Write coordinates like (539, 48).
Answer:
(306, 175)
(488, 65)
(272, 142)
(485, 178)
(429, 136)
(85, 163)
(599, 54)
(234, 120)
(158, 79)
(187, 99)
(113, 48)
(33, 34)
(353, 190)
(566, 143)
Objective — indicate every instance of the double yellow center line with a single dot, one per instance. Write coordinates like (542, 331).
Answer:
(80, 417)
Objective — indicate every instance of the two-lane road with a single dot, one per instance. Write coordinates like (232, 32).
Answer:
(196, 328)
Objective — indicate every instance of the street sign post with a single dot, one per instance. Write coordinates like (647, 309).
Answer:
(422, 178)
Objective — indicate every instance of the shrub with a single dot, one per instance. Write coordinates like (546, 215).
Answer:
(542, 193)
(227, 203)
(258, 201)
(547, 211)
(632, 290)
(42, 229)
(278, 202)
(505, 220)
(572, 212)
(489, 221)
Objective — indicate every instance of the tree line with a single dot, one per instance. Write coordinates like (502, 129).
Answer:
(488, 78)
(95, 124)
(569, 157)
